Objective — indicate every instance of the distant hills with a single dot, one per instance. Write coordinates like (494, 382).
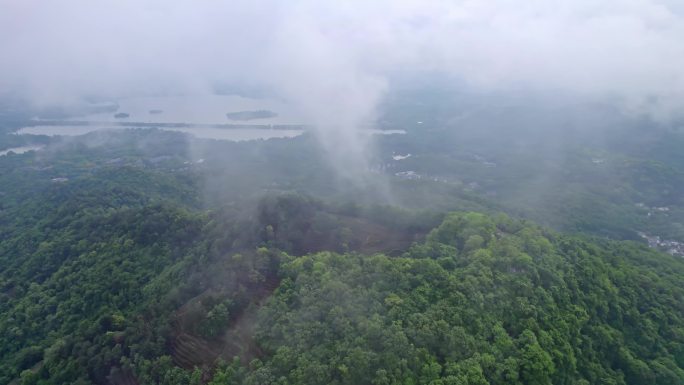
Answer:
(251, 115)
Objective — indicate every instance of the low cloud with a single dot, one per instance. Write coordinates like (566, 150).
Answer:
(332, 60)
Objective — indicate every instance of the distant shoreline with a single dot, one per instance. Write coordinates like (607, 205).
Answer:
(228, 126)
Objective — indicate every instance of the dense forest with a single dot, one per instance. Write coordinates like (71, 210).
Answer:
(143, 256)
(482, 301)
(121, 289)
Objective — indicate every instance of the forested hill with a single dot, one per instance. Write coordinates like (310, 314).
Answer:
(482, 301)
(156, 293)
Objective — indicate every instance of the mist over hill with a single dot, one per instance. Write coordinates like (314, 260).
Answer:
(411, 192)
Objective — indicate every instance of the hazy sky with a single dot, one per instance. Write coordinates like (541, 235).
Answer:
(332, 57)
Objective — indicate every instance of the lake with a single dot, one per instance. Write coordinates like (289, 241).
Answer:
(198, 109)
(199, 114)
(20, 150)
(231, 134)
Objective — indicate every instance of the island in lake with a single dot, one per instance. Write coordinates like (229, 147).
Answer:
(250, 115)
(156, 112)
(121, 115)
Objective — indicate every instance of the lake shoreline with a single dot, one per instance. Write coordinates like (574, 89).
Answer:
(228, 126)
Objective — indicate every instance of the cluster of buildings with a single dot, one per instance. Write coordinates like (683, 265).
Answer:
(670, 247)
(653, 210)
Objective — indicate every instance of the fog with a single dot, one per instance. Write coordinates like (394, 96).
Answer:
(336, 61)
